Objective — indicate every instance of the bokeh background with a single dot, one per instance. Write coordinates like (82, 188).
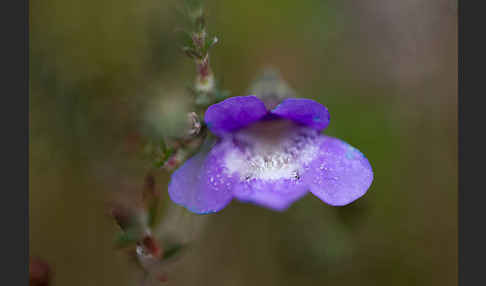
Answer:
(386, 70)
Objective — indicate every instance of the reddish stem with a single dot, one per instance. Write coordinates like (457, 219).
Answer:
(152, 246)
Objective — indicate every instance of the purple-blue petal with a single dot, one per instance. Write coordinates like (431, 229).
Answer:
(273, 194)
(200, 184)
(234, 113)
(304, 111)
(340, 174)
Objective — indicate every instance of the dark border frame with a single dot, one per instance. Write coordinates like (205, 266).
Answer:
(471, 62)
(14, 25)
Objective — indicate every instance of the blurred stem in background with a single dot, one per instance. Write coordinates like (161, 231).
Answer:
(138, 222)
(196, 44)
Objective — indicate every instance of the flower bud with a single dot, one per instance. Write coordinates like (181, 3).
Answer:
(194, 123)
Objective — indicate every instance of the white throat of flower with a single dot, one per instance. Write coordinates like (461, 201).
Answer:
(272, 150)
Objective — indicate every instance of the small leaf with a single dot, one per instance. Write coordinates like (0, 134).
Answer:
(126, 239)
(209, 43)
(124, 217)
(165, 154)
(173, 250)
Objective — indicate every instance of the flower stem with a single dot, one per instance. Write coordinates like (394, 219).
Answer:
(198, 45)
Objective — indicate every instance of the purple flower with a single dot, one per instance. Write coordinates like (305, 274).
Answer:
(270, 158)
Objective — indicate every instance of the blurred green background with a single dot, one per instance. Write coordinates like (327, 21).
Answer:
(386, 70)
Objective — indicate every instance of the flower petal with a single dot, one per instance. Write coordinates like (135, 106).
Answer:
(200, 184)
(268, 158)
(303, 111)
(234, 113)
(274, 194)
(340, 175)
